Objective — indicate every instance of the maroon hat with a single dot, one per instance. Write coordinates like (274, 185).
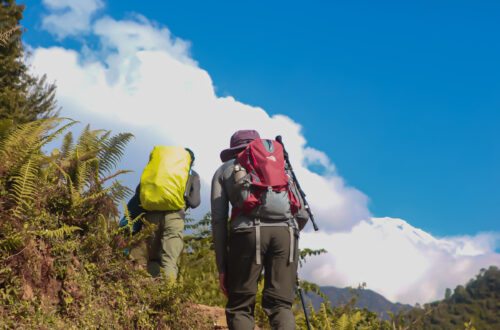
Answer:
(239, 141)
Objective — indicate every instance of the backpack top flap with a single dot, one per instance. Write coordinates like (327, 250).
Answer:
(163, 181)
(268, 195)
(264, 161)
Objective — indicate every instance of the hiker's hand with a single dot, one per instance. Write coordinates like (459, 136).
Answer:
(222, 283)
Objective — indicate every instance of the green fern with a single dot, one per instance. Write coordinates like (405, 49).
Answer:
(27, 139)
(342, 323)
(325, 317)
(5, 126)
(113, 150)
(24, 187)
(67, 144)
(96, 195)
(129, 227)
(356, 318)
(11, 243)
(119, 192)
(59, 233)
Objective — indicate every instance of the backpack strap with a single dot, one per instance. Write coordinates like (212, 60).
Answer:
(257, 241)
(189, 181)
(290, 229)
(291, 226)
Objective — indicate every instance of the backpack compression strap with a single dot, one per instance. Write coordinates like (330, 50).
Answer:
(258, 224)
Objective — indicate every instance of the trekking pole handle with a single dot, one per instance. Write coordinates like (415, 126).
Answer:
(302, 193)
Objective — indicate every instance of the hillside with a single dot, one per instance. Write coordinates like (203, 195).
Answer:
(477, 303)
(369, 299)
(61, 251)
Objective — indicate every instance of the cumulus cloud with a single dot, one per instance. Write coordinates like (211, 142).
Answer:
(69, 17)
(400, 261)
(142, 79)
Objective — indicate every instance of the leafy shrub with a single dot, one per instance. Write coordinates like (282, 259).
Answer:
(61, 250)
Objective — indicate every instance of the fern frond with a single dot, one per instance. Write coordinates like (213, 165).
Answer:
(342, 323)
(356, 318)
(103, 225)
(28, 138)
(89, 139)
(19, 140)
(79, 169)
(103, 136)
(96, 195)
(55, 134)
(113, 150)
(67, 178)
(83, 173)
(119, 192)
(59, 233)
(5, 126)
(24, 186)
(11, 243)
(114, 175)
(67, 144)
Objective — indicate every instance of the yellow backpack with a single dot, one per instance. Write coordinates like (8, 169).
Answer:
(164, 179)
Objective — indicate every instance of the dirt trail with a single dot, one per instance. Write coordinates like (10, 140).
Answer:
(217, 314)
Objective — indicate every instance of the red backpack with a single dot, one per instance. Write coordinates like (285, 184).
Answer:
(265, 188)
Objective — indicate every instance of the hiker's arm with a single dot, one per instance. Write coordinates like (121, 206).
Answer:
(134, 204)
(220, 210)
(193, 197)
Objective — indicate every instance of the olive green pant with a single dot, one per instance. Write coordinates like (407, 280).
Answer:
(243, 274)
(166, 244)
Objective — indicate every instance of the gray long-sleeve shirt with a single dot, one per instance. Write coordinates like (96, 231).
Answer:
(223, 194)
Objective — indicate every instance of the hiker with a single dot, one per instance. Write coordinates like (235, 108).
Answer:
(258, 237)
(168, 188)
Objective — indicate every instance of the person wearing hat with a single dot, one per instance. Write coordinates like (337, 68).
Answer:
(236, 251)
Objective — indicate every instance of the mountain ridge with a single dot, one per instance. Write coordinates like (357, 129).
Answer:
(369, 299)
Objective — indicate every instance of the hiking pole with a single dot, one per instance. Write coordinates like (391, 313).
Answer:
(302, 193)
(301, 294)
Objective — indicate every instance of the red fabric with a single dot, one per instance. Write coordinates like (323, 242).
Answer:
(267, 169)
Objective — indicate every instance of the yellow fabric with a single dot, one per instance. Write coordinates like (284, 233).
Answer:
(163, 181)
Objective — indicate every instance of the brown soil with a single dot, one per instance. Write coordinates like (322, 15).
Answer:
(217, 315)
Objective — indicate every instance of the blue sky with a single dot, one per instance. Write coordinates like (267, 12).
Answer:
(403, 98)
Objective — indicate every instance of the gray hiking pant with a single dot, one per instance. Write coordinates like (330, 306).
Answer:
(243, 274)
(166, 244)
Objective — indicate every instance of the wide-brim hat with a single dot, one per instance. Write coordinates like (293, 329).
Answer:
(239, 140)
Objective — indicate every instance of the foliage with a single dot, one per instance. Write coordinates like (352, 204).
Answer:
(62, 260)
(475, 305)
(344, 316)
(199, 277)
(198, 271)
(63, 263)
(23, 97)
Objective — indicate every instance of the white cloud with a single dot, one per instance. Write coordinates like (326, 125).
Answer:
(147, 81)
(143, 80)
(128, 37)
(400, 261)
(317, 157)
(69, 17)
